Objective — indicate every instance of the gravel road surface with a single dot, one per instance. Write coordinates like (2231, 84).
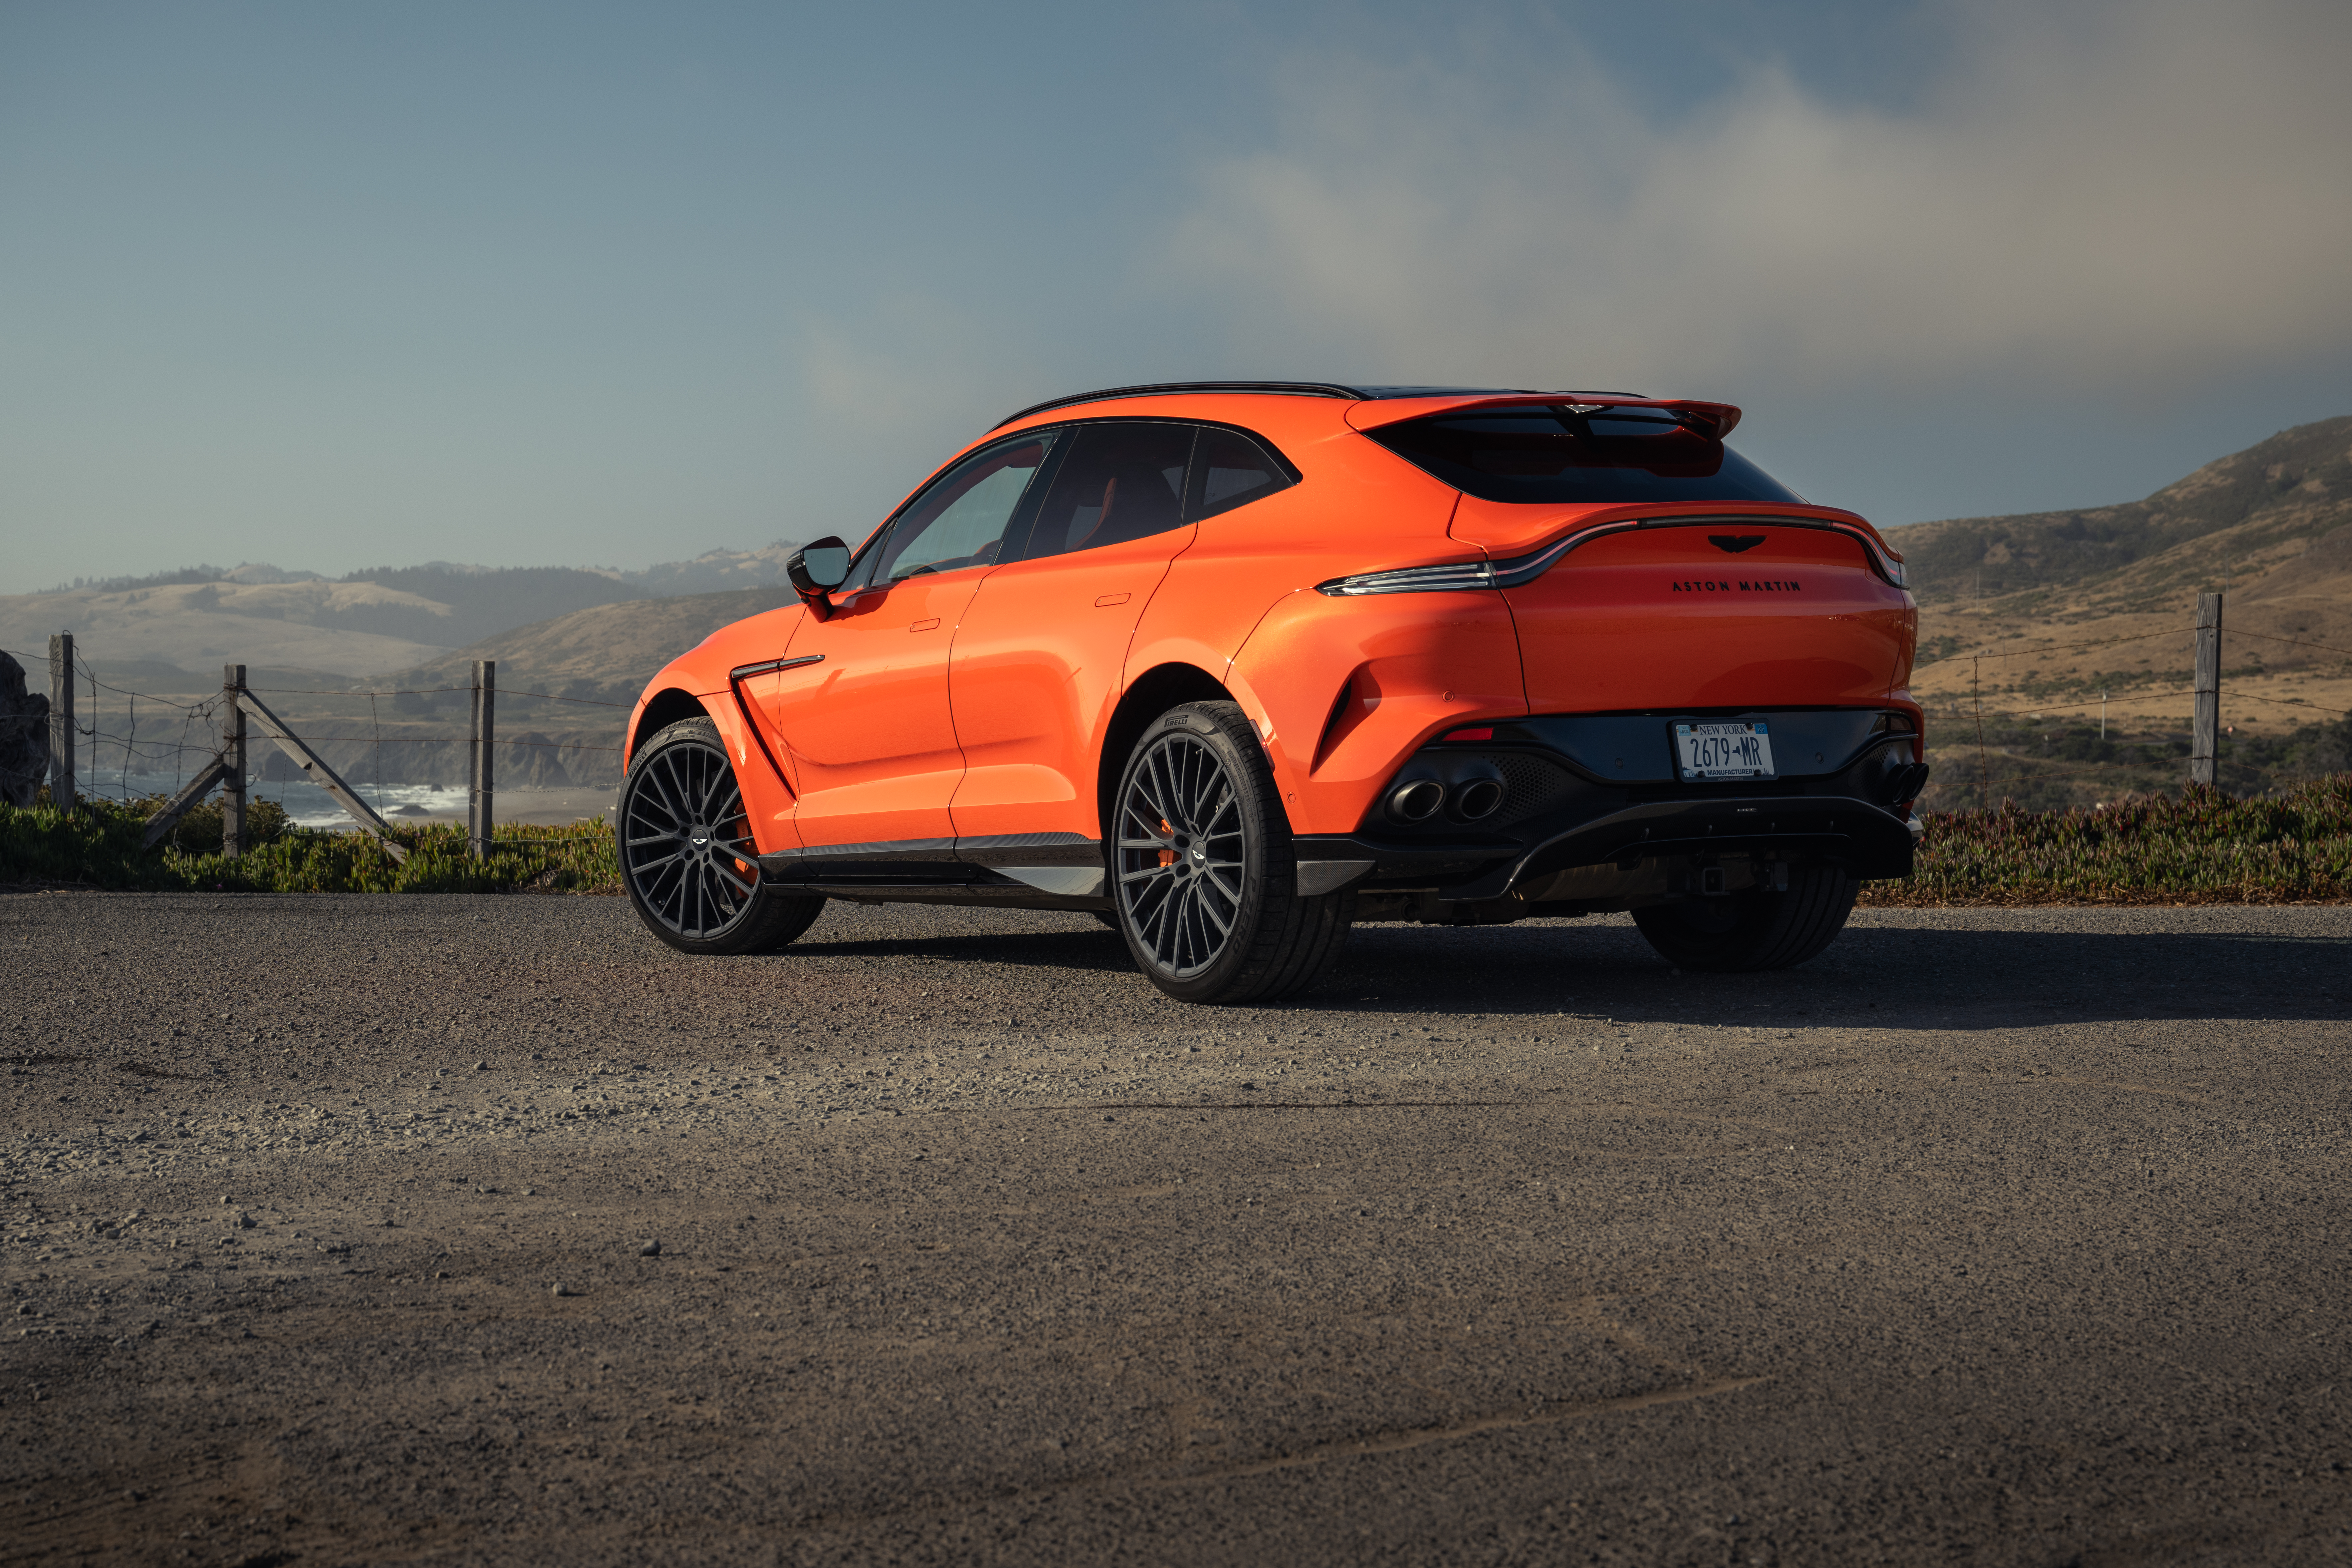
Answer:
(393, 1230)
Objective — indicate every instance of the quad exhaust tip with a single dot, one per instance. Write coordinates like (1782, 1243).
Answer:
(1418, 801)
(1478, 798)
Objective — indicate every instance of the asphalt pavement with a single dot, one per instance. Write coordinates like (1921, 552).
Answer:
(439, 1230)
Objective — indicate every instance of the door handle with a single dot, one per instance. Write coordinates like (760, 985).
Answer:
(1107, 600)
(924, 626)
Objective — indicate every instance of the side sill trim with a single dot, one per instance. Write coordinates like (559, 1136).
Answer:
(893, 850)
(1003, 849)
(1068, 881)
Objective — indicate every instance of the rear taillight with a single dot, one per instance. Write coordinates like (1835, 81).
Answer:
(1520, 570)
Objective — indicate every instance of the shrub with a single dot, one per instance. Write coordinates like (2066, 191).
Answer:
(99, 845)
(2203, 848)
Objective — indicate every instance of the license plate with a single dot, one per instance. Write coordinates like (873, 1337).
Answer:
(1729, 749)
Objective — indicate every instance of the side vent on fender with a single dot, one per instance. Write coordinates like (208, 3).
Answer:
(1337, 725)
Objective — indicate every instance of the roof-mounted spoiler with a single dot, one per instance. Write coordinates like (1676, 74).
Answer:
(1712, 420)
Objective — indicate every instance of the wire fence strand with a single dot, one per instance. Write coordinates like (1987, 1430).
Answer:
(2297, 642)
(2067, 647)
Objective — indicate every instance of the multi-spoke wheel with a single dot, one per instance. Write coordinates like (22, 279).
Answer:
(1179, 853)
(1203, 872)
(687, 854)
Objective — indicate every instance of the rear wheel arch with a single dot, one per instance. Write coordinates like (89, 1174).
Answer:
(1152, 693)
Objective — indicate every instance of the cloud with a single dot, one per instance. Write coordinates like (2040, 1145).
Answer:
(2094, 199)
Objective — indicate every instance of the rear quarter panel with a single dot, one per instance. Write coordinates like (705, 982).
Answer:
(1356, 508)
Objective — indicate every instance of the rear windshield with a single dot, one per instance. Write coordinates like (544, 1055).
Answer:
(1554, 456)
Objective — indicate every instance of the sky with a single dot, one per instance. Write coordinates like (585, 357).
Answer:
(580, 283)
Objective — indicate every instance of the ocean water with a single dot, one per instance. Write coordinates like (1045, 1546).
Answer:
(307, 804)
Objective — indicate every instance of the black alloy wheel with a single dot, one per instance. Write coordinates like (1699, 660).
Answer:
(686, 853)
(1755, 928)
(1202, 873)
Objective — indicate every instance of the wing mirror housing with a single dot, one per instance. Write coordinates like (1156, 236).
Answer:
(816, 569)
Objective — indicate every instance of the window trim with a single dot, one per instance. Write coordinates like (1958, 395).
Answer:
(877, 542)
(1027, 517)
(1196, 479)
(1024, 519)
(1192, 515)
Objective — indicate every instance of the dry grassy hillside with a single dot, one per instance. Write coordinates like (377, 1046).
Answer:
(304, 626)
(2030, 619)
(610, 651)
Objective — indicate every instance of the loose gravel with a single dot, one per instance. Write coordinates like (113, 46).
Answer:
(487, 1230)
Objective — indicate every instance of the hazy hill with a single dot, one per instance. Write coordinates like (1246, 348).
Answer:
(372, 621)
(2230, 521)
(2037, 633)
(607, 652)
(351, 627)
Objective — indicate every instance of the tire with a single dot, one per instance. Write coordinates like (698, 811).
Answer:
(686, 851)
(1201, 870)
(1754, 929)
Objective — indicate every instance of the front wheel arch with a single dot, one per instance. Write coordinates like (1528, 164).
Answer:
(669, 706)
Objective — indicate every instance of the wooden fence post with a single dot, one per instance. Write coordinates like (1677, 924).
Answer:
(2205, 742)
(478, 756)
(233, 759)
(61, 722)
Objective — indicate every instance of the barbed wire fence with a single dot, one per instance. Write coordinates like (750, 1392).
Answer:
(210, 747)
(2205, 691)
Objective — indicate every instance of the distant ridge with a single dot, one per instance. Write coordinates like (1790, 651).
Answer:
(2230, 522)
(363, 623)
(607, 652)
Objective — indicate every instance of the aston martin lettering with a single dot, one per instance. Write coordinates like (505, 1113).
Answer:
(1757, 586)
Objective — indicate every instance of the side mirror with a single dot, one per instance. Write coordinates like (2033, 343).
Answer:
(816, 569)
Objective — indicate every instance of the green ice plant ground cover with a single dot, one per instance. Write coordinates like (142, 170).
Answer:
(98, 845)
(2205, 847)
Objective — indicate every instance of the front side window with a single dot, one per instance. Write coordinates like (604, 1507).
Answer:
(961, 517)
(1551, 454)
(1118, 482)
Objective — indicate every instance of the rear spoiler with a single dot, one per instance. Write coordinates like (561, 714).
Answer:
(1712, 420)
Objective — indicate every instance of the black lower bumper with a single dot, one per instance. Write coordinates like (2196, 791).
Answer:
(1869, 840)
(1602, 790)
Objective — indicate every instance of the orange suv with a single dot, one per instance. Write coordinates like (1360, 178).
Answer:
(1235, 665)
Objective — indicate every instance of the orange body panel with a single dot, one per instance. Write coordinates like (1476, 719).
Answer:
(1657, 619)
(869, 741)
(1033, 677)
(701, 675)
(1411, 666)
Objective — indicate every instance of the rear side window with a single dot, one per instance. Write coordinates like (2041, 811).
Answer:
(1229, 469)
(1549, 455)
(1117, 482)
